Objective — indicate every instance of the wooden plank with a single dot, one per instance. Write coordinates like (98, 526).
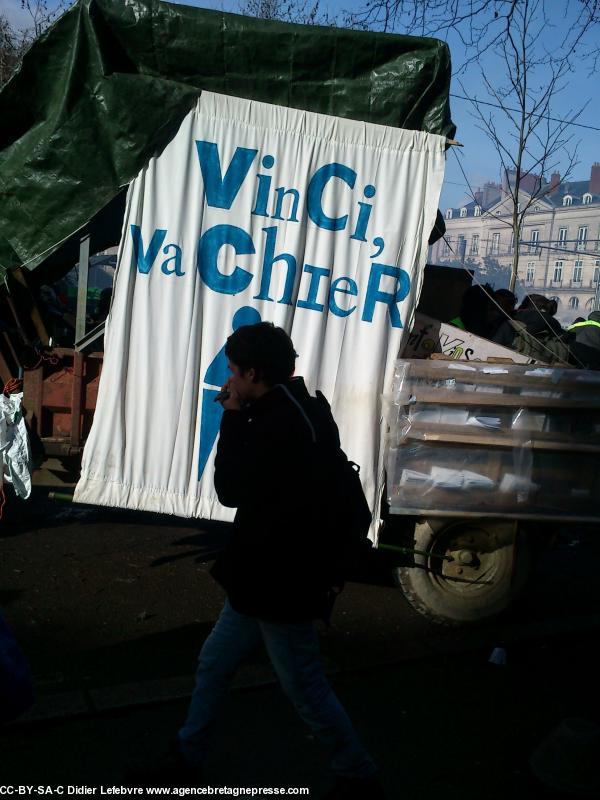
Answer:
(5, 371)
(553, 471)
(20, 277)
(76, 399)
(473, 435)
(32, 397)
(418, 511)
(515, 377)
(446, 397)
(492, 501)
(68, 351)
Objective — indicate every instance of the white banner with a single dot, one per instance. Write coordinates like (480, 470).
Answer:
(256, 212)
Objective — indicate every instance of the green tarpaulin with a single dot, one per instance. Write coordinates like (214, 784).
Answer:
(109, 84)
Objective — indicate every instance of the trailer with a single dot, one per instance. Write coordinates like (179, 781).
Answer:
(459, 561)
(60, 378)
(485, 460)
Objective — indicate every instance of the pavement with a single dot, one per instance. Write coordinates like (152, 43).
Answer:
(113, 682)
(454, 725)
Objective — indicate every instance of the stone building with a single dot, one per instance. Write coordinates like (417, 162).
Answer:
(559, 251)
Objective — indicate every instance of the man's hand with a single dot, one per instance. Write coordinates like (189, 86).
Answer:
(229, 398)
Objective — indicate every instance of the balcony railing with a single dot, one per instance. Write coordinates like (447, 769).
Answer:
(526, 249)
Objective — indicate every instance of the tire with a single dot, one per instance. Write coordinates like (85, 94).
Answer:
(487, 565)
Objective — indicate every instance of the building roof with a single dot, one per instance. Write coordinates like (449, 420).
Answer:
(574, 189)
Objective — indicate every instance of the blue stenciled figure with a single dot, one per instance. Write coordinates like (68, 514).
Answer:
(216, 375)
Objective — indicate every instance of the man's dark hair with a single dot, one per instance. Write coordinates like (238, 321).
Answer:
(264, 347)
(475, 308)
(540, 303)
(506, 294)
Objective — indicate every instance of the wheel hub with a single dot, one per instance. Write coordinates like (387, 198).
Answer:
(471, 559)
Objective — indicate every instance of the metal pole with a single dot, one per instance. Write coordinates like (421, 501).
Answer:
(61, 497)
(82, 286)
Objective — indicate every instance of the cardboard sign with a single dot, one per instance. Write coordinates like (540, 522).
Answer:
(429, 336)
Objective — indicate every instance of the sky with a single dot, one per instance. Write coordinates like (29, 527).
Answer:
(477, 156)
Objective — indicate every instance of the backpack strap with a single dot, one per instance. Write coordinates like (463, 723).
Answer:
(313, 433)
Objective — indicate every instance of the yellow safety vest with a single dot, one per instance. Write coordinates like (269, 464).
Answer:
(581, 324)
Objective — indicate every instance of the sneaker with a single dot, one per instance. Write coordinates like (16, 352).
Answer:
(172, 770)
(355, 789)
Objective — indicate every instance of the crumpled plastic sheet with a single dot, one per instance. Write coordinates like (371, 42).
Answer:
(14, 445)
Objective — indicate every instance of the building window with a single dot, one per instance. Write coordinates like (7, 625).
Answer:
(533, 241)
(596, 277)
(461, 246)
(590, 304)
(530, 274)
(446, 250)
(558, 268)
(587, 199)
(463, 212)
(577, 271)
(562, 238)
(449, 214)
(573, 302)
(475, 244)
(567, 200)
(582, 237)
(538, 208)
(477, 211)
(495, 243)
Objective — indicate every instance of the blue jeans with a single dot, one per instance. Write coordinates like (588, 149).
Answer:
(294, 652)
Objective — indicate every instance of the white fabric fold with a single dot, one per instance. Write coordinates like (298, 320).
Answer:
(317, 224)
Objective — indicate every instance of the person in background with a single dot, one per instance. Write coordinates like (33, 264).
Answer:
(60, 322)
(584, 341)
(103, 306)
(502, 308)
(535, 331)
(506, 300)
(475, 311)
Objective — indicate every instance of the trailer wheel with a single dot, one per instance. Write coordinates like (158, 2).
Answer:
(470, 570)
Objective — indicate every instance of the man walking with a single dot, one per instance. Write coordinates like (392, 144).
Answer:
(276, 568)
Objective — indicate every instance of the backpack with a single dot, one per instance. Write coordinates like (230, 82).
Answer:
(348, 516)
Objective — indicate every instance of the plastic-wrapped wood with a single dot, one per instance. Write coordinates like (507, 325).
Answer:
(494, 440)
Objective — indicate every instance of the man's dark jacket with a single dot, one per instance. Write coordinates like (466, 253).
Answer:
(270, 465)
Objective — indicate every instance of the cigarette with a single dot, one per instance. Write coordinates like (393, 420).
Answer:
(222, 396)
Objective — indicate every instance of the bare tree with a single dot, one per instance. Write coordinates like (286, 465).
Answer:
(42, 15)
(530, 140)
(479, 24)
(287, 11)
(14, 42)
(10, 49)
